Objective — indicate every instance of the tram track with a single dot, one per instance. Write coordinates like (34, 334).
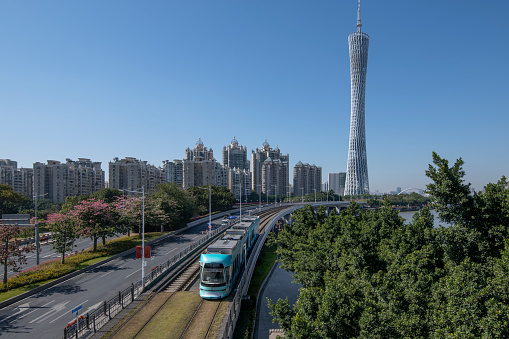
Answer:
(204, 312)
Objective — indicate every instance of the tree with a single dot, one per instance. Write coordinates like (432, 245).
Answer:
(64, 232)
(177, 203)
(12, 253)
(10, 201)
(130, 212)
(95, 219)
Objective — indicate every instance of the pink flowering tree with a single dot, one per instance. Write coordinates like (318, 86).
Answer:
(12, 254)
(130, 210)
(95, 219)
(64, 228)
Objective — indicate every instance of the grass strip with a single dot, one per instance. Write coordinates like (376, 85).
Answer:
(172, 319)
(245, 322)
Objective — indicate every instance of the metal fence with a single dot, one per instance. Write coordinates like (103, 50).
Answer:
(94, 320)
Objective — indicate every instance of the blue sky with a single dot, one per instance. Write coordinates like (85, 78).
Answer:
(105, 79)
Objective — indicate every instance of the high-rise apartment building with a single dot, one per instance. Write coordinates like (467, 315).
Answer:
(270, 170)
(56, 180)
(307, 179)
(20, 179)
(174, 171)
(132, 174)
(201, 169)
(357, 181)
(235, 156)
(337, 182)
(239, 181)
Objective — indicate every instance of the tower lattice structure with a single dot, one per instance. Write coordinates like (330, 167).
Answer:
(357, 181)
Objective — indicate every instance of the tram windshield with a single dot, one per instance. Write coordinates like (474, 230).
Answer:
(213, 275)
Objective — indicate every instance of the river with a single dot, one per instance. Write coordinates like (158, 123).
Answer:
(408, 217)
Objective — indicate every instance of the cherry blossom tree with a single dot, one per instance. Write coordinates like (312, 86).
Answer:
(12, 254)
(95, 219)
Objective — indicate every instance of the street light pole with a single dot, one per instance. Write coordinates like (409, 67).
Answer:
(142, 233)
(302, 189)
(37, 243)
(259, 197)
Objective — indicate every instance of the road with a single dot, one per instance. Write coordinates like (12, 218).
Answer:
(47, 253)
(45, 314)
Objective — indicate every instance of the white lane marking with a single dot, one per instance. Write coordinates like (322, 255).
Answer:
(170, 251)
(93, 307)
(37, 309)
(22, 308)
(55, 309)
(195, 237)
(65, 313)
(133, 273)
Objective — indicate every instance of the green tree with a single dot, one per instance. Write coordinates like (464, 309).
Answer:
(10, 201)
(177, 203)
(65, 232)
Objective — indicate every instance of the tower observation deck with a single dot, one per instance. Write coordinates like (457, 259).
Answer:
(357, 181)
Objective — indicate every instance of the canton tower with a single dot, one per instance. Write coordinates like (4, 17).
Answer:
(357, 181)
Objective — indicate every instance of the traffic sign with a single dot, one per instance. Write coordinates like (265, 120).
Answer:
(77, 309)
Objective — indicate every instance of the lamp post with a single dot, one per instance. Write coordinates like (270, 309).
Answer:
(288, 194)
(260, 197)
(37, 243)
(210, 206)
(275, 195)
(302, 189)
(142, 233)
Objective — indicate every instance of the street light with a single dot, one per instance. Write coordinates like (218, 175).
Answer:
(275, 195)
(302, 189)
(210, 206)
(37, 243)
(142, 233)
(259, 197)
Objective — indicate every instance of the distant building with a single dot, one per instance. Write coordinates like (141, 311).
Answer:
(239, 181)
(201, 169)
(337, 182)
(133, 174)
(307, 179)
(235, 156)
(271, 170)
(174, 171)
(56, 181)
(20, 179)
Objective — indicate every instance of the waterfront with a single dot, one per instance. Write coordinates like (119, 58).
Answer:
(407, 215)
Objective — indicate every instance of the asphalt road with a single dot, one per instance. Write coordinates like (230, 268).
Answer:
(45, 314)
(47, 253)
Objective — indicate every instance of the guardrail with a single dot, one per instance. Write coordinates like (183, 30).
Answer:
(94, 320)
(228, 325)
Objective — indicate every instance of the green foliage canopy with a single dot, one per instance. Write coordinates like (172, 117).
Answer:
(367, 274)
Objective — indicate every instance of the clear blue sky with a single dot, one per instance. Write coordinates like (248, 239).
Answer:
(105, 79)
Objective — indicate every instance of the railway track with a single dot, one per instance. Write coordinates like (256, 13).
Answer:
(183, 313)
